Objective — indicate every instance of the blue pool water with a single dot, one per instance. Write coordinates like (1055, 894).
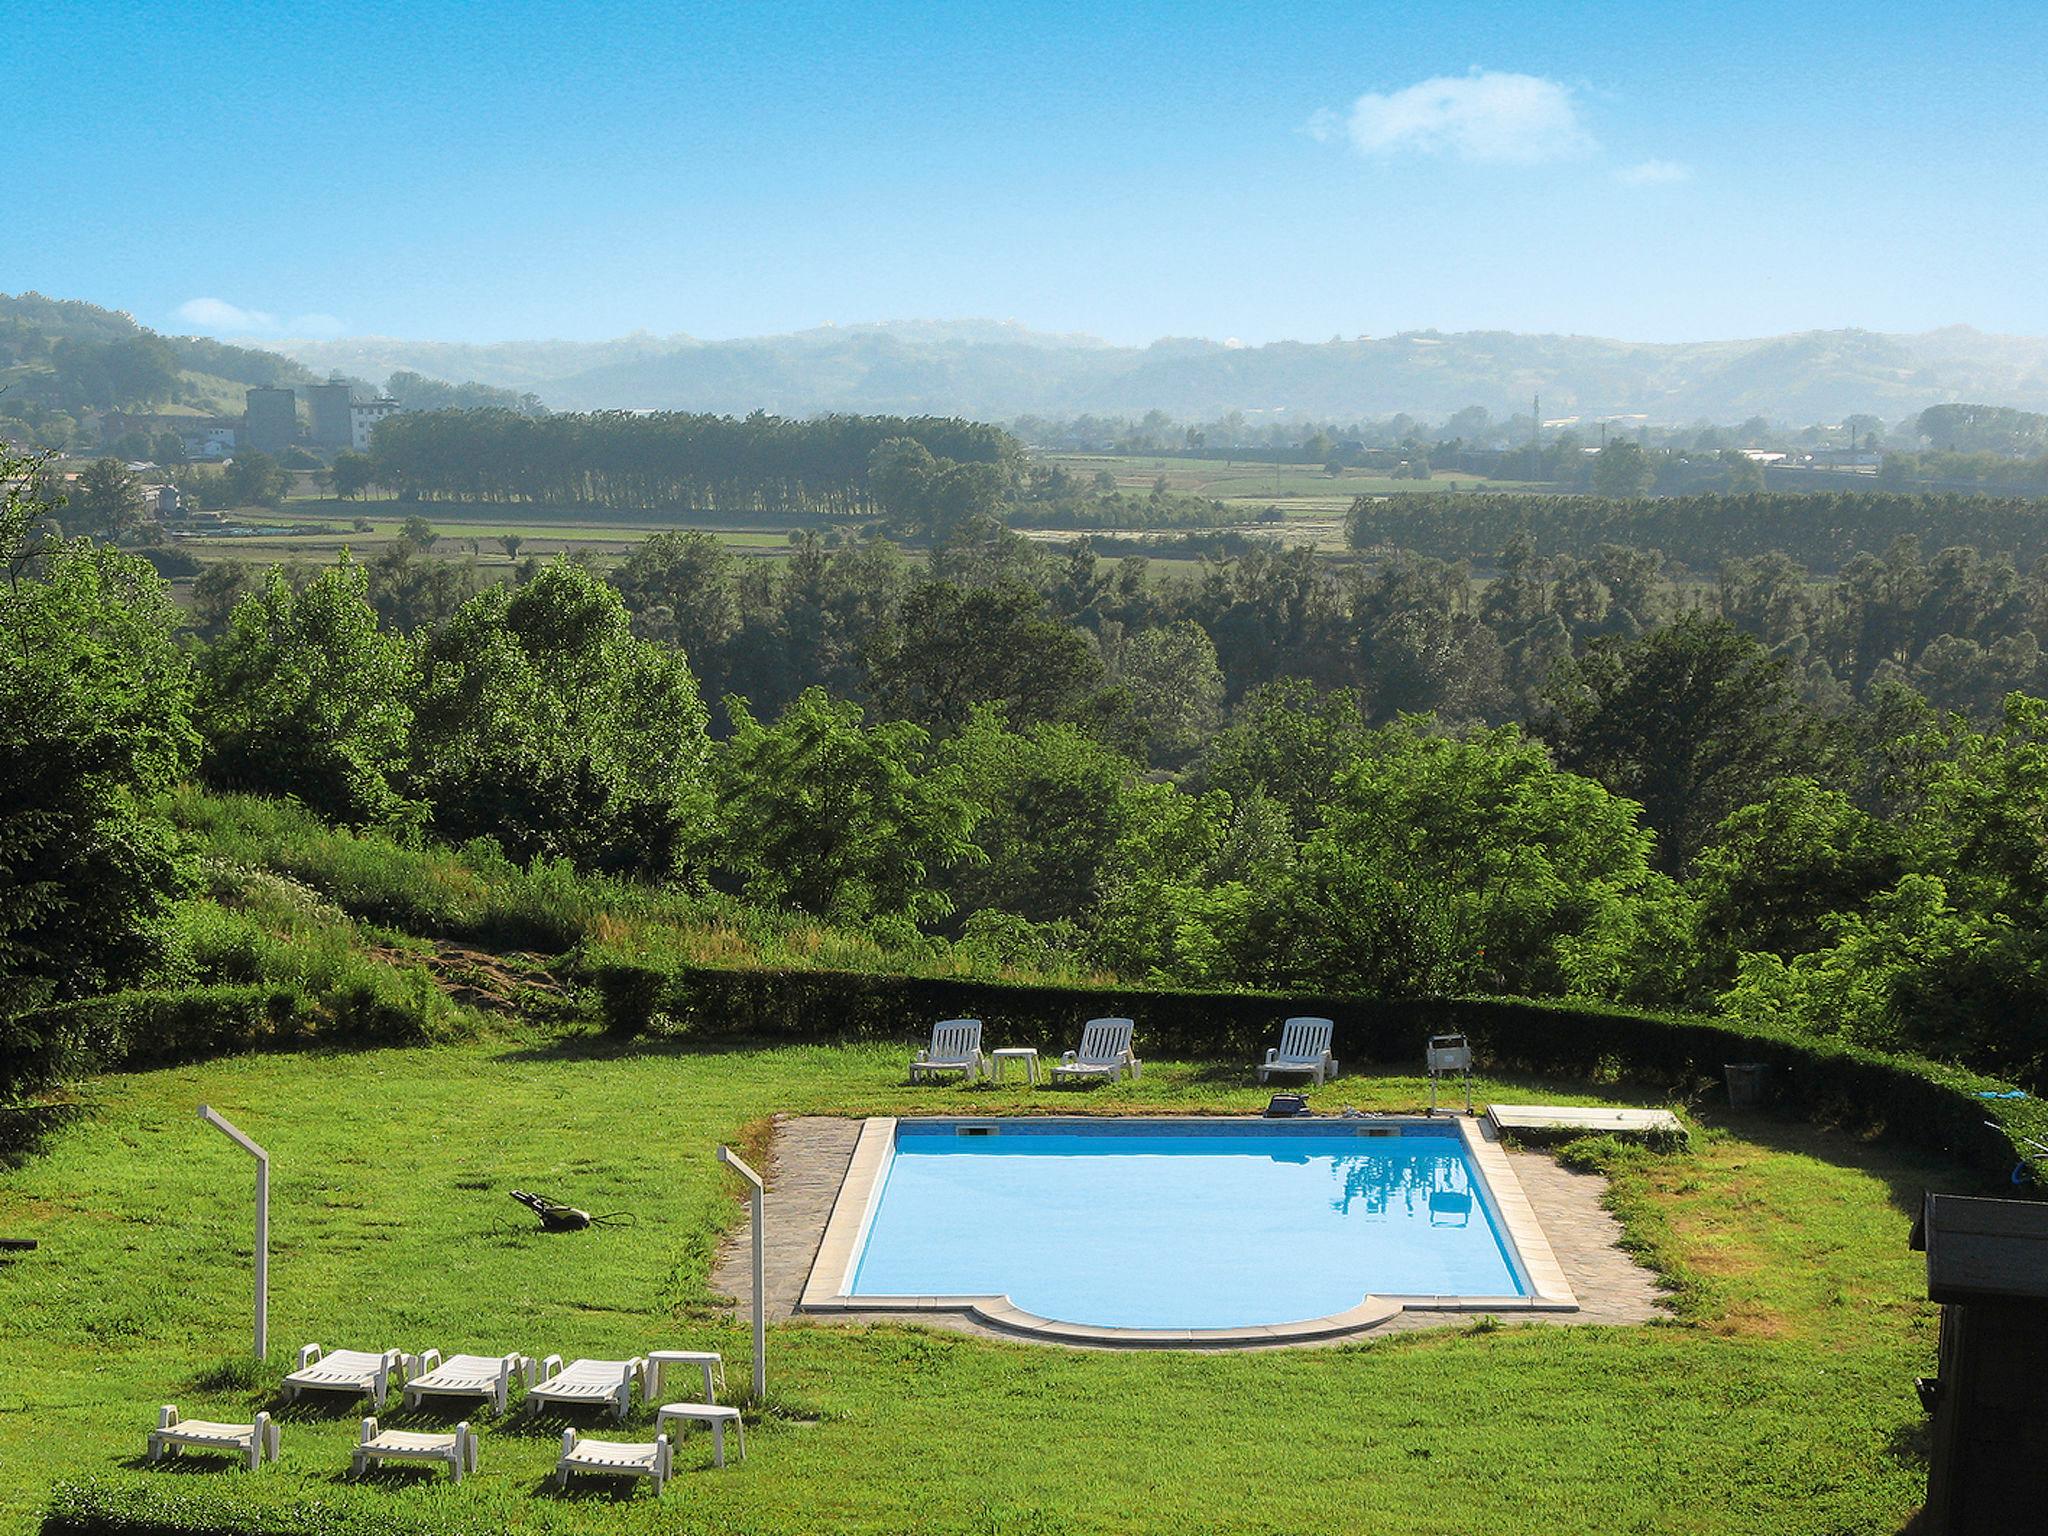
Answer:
(1150, 1224)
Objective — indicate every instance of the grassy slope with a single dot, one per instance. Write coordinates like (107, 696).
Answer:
(1781, 1401)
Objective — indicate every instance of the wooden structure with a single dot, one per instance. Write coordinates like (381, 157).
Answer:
(1585, 1120)
(1987, 1264)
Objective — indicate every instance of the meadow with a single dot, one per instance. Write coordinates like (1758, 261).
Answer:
(1776, 1397)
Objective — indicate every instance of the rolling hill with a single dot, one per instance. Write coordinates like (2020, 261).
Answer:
(990, 369)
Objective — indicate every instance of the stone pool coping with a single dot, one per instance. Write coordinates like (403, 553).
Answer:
(853, 1208)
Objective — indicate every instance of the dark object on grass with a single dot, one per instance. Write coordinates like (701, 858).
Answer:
(17, 1244)
(557, 1217)
(1285, 1106)
(554, 1216)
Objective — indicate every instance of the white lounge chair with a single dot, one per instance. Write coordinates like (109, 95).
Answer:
(454, 1448)
(486, 1376)
(354, 1371)
(1104, 1054)
(251, 1442)
(955, 1047)
(613, 1458)
(586, 1384)
(1304, 1048)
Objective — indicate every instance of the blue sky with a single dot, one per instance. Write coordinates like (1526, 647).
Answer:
(584, 170)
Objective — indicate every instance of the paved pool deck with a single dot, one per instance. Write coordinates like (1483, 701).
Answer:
(809, 1154)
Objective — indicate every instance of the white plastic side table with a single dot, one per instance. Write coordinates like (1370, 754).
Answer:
(1028, 1054)
(705, 1413)
(706, 1359)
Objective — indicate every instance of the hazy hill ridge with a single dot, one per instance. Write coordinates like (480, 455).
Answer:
(992, 369)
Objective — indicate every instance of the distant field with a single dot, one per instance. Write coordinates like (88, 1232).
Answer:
(1297, 489)
(330, 526)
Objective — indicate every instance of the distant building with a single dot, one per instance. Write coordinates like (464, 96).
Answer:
(363, 417)
(201, 437)
(273, 419)
(213, 442)
(161, 501)
(329, 404)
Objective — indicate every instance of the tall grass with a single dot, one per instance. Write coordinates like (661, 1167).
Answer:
(474, 894)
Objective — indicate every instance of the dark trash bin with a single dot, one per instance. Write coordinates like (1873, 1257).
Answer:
(1748, 1082)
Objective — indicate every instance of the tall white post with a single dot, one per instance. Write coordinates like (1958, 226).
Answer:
(262, 1222)
(732, 1160)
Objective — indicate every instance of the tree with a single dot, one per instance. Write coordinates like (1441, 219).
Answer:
(951, 649)
(683, 589)
(1175, 688)
(1777, 871)
(1693, 721)
(543, 722)
(93, 722)
(352, 474)
(846, 821)
(930, 496)
(1451, 866)
(414, 594)
(1286, 741)
(105, 501)
(418, 534)
(1048, 808)
(306, 697)
(219, 585)
(140, 369)
(255, 479)
(1622, 469)
(511, 543)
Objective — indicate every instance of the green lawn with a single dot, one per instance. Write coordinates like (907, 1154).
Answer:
(1778, 1398)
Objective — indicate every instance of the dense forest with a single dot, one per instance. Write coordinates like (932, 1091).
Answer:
(1773, 794)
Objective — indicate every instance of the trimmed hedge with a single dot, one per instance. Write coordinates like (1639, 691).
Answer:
(135, 1506)
(1936, 1107)
(45, 1046)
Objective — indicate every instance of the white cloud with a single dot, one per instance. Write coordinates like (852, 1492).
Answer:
(233, 320)
(220, 315)
(1653, 173)
(1487, 116)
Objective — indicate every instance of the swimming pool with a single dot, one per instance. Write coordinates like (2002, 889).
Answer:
(1182, 1230)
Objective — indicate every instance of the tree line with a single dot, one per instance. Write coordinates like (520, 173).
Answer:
(1270, 773)
(1821, 530)
(618, 459)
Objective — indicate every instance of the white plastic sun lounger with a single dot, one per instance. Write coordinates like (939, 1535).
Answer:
(454, 1448)
(1304, 1048)
(955, 1047)
(1104, 1054)
(251, 1442)
(354, 1371)
(486, 1376)
(586, 1384)
(614, 1458)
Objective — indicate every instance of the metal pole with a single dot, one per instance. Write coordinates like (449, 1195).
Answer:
(262, 1222)
(732, 1160)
